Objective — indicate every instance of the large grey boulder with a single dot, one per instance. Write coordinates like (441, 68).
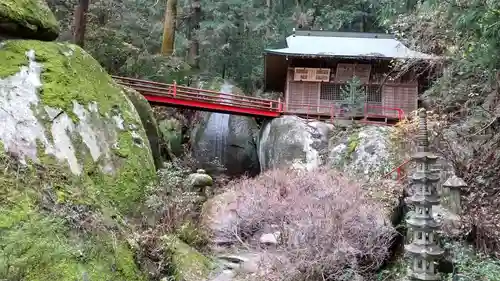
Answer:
(293, 141)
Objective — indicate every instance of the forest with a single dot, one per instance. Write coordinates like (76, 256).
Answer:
(201, 40)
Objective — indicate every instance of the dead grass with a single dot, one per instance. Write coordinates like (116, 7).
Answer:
(331, 229)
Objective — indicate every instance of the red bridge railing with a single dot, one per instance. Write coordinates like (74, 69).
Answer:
(193, 94)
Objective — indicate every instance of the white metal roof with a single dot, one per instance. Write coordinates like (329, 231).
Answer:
(348, 45)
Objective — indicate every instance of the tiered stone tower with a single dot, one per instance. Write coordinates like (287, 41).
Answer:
(424, 250)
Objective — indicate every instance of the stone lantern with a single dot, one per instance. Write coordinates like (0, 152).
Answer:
(200, 182)
(454, 187)
(424, 250)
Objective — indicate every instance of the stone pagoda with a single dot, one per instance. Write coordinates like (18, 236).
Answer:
(424, 250)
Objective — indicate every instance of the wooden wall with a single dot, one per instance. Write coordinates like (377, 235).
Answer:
(319, 97)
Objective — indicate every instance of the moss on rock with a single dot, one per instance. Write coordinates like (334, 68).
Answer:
(149, 122)
(29, 19)
(171, 132)
(187, 263)
(63, 209)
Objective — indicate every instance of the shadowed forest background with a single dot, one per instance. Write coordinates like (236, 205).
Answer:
(126, 36)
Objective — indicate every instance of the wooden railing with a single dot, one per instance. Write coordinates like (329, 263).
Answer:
(201, 95)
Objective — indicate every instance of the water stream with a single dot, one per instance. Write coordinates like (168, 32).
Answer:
(217, 130)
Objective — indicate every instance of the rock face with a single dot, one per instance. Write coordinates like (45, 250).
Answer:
(149, 122)
(219, 217)
(293, 141)
(29, 19)
(74, 159)
(365, 151)
(228, 138)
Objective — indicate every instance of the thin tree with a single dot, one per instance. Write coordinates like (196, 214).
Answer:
(80, 22)
(194, 48)
(167, 47)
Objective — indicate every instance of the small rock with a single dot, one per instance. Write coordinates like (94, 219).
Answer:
(225, 275)
(270, 238)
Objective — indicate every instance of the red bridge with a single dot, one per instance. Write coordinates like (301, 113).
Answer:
(181, 96)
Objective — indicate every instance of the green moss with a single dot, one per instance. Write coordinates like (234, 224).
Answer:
(188, 264)
(55, 225)
(69, 74)
(171, 132)
(33, 19)
(42, 239)
(352, 144)
(192, 235)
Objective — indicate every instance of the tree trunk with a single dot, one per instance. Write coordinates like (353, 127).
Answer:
(194, 48)
(80, 22)
(167, 47)
(269, 18)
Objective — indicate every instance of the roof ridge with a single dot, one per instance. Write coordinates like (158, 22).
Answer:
(325, 33)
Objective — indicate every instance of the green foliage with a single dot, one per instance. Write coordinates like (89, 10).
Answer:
(125, 36)
(471, 265)
(352, 144)
(354, 95)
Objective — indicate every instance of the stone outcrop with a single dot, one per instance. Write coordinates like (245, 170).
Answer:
(148, 122)
(293, 141)
(187, 263)
(365, 151)
(75, 160)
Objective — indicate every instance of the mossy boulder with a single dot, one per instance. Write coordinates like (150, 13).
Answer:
(365, 151)
(28, 19)
(149, 122)
(171, 132)
(74, 162)
(187, 263)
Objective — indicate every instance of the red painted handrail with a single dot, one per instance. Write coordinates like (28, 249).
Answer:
(133, 81)
(208, 96)
(399, 170)
(399, 111)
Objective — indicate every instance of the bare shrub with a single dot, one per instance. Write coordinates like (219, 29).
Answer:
(330, 229)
